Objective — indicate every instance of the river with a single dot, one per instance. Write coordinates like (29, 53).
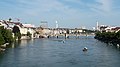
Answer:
(54, 52)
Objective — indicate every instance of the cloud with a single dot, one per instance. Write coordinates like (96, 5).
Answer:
(106, 5)
(40, 7)
(103, 6)
(66, 11)
(97, 6)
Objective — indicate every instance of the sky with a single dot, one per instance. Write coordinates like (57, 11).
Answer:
(68, 13)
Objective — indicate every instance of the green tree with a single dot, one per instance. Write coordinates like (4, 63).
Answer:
(17, 35)
(118, 35)
(10, 19)
(1, 28)
(29, 34)
(7, 35)
(108, 37)
(2, 41)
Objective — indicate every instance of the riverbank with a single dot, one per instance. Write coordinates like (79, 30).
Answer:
(109, 37)
(3, 47)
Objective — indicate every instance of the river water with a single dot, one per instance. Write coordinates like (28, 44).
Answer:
(54, 52)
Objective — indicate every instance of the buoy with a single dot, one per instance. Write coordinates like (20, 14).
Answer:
(118, 45)
(85, 49)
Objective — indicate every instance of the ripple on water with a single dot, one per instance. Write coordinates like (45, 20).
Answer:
(49, 53)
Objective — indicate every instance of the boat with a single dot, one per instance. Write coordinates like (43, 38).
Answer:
(85, 49)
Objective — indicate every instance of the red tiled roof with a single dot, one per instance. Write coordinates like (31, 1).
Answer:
(117, 28)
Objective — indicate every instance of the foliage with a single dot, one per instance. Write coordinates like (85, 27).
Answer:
(118, 35)
(2, 41)
(29, 34)
(88, 31)
(5, 35)
(17, 35)
(108, 37)
(37, 32)
(1, 28)
(10, 19)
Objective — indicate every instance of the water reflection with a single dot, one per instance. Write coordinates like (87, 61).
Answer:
(51, 53)
(21, 43)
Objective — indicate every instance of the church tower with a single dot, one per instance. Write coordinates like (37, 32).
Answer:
(97, 26)
(56, 24)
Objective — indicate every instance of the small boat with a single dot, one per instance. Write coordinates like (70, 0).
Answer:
(85, 49)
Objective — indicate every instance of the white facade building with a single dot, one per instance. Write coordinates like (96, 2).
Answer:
(28, 28)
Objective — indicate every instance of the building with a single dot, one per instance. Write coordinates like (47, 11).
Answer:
(30, 28)
(76, 30)
(24, 28)
(103, 27)
(112, 29)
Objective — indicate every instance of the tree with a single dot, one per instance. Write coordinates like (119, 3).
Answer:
(108, 37)
(1, 28)
(2, 41)
(7, 35)
(118, 35)
(10, 19)
(29, 34)
(17, 35)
